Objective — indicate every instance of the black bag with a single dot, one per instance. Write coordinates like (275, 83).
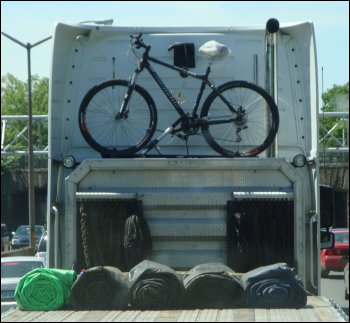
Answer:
(137, 240)
(184, 55)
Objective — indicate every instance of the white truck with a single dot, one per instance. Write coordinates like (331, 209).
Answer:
(200, 207)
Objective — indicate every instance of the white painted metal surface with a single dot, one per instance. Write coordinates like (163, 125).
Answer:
(85, 55)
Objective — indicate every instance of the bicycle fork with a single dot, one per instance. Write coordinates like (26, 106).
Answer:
(123, 112)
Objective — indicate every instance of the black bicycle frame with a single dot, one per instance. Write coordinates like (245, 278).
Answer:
(184, 72)
(145, 64)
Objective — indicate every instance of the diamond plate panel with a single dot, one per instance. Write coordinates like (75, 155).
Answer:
(180, 178)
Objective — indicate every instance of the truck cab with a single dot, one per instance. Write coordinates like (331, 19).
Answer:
(199, 206)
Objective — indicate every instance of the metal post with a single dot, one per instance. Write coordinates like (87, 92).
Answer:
(272, 27)
(31, 188)
(31, 196)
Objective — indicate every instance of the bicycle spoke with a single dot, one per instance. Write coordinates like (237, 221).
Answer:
(107, 131)
(248, 131)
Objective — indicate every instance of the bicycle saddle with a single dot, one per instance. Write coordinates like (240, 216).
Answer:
(213, 49)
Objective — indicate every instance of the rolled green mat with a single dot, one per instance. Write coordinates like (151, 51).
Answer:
(44, 289)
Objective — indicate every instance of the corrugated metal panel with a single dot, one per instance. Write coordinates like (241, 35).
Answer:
(184, 203)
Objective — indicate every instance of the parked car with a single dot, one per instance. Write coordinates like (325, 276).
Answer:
(346, 280)
(336, 258)
(41, 250)
(12, 269)
(5, 238)
(20, 238)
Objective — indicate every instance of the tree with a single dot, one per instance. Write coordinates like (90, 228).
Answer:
(335, 99)
(14, 95)
(14, 101)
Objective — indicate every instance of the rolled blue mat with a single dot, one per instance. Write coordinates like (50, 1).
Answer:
(274, 286)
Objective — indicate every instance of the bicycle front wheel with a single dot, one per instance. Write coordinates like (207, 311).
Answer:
(107, 131)
(250, 130)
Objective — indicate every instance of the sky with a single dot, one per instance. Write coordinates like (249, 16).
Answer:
(32, 21)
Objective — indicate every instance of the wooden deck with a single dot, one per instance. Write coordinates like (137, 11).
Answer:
(316, 310)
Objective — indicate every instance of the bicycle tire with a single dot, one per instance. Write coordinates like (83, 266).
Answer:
(111, 136)
(248, 137)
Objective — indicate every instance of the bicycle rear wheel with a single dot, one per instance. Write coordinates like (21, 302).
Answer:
(245, 136)
(109, 133)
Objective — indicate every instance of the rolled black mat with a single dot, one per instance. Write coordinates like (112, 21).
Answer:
(274, 286)
(213, 285)
(100, 288)
(155, 286)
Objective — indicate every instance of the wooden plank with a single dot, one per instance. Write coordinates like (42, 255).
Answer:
(168, 316)
(316, 310)
(111, 316)
(188, 316)
(53, 316)
(11, 316)
(148, 316)
(261, 315)
(128, 316)
(244, 315)
(31, 316)
(279, 315)
(93, 316)
(75, 316)
(226, 315)
(307, 314)
(207, 315)
(324, 310)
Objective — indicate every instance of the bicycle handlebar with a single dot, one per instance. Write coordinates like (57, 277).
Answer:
(138, 42)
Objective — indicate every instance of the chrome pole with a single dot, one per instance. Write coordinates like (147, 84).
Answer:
(272, 26)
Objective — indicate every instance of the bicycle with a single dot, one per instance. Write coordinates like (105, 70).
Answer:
(118, 118)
